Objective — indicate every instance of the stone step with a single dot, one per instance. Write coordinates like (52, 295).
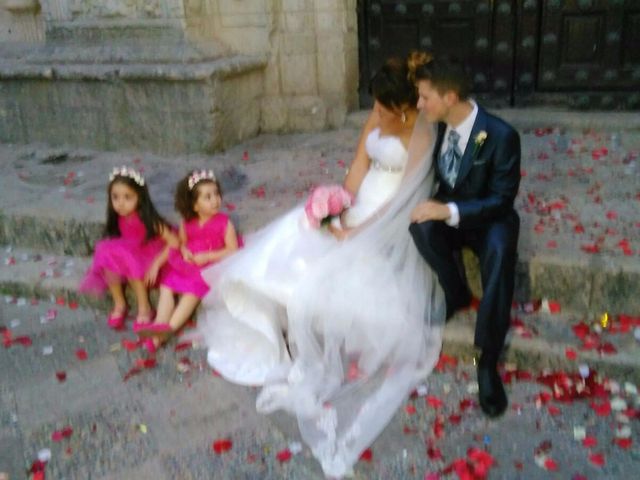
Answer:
(546, 341)
(583, 288)
(53, 200)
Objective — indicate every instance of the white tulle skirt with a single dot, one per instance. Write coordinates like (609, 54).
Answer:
(363, 318)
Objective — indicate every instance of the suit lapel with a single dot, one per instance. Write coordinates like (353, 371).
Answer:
(468, 157)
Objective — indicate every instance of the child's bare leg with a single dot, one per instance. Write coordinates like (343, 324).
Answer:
(142, 299)
(117, 294)
(166, 305)
(185, 308)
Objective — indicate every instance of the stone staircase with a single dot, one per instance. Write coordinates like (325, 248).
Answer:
(52, 209)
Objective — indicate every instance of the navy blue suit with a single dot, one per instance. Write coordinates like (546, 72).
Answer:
(484, 191)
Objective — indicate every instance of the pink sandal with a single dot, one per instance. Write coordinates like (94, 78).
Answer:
(148, 320)
(116, 318)
(147, 329)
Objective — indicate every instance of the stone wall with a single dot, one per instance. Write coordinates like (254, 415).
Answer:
(21, 21)
(294, 68)
(311, 79)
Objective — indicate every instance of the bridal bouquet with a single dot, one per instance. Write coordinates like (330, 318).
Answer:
(326, 202)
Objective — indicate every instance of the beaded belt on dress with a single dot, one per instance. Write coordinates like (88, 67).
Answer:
(377, 165)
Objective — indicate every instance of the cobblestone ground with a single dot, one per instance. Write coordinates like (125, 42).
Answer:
(98, 407)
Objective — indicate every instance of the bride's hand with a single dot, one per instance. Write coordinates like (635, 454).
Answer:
(340, 233)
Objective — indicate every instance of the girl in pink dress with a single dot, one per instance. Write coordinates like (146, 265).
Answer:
(133, 249)
(206, 236)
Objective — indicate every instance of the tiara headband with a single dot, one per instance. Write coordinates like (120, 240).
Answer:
(198, 176)
(127, 172)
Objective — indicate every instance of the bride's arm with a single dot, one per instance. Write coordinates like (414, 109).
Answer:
(360, 163)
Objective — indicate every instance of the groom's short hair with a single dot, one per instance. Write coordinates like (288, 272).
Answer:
(446, 73)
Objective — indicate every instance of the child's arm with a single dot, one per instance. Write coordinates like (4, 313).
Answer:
(171, 241)
(187, 255)
(230, 246)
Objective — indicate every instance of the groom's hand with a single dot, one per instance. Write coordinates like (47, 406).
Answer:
(430, 210)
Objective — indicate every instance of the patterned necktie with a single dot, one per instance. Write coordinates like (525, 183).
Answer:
(450, 159)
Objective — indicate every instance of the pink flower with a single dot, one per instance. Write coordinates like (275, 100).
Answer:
(326, 201)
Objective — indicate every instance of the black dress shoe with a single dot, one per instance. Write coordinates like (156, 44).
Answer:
(491, 394)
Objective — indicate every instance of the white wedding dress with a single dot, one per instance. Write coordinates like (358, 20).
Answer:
(363, 317)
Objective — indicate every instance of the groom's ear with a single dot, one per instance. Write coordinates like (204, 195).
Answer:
(450, 98)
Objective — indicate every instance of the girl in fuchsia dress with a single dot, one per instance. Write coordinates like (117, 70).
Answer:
(206, 236)
(133, 249)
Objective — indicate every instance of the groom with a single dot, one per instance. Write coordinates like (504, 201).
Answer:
(477, 163)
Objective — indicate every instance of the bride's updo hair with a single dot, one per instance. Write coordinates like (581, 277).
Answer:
(445, 73)
(416, 63)
(391, 85)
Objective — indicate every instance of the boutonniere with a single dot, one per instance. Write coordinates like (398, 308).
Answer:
(479, 141)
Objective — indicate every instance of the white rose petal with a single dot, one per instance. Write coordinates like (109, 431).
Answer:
(579, 433)
(618, 404)
(623, 432)
(422, 390)
(630, 388)
(295, 447)
(44, 455)
(583, 369)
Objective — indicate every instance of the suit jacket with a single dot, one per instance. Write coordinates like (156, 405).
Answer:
(489, 175)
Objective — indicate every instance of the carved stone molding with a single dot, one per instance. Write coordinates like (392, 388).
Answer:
(22, 6)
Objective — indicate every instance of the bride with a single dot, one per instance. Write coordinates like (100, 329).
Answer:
(338, 325)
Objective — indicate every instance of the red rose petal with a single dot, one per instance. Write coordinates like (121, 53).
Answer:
(410, 409)
(589, 442)
(61, 376)
(132, 372)
(146, 363)
(284, 455)
(434, 401)
(59, 435)
(367, 455)
(182, 346)
(553, 410)
(129, 345)
(81, 354)
(570, 353)
(23, 340)
(550, 464)
(602, 409)
(597, 459)
(624, 442)
(554, 306)
(434, 453)
(455, 419)
(222, 445)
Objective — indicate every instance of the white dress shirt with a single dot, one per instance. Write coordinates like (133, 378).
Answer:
(464, 130)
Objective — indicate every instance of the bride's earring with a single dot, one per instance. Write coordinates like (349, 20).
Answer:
(403, 119)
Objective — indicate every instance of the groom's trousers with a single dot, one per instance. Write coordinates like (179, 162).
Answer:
(495, 244)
